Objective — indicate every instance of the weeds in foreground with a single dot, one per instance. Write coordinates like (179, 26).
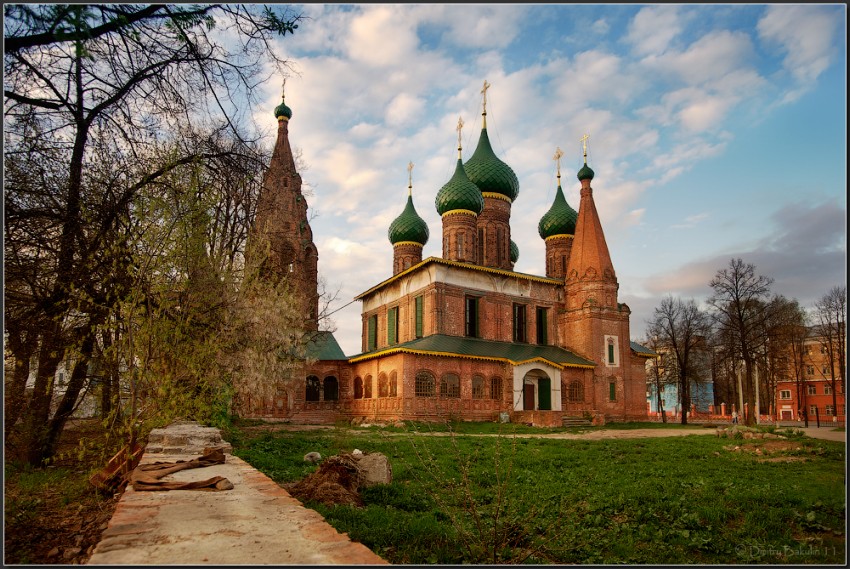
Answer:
(491, 524)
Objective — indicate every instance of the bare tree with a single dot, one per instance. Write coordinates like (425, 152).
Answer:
(831, 313)
(682, 329)
(658, 372)
(739, 302)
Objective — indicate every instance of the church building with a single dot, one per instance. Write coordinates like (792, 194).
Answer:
(463, 336)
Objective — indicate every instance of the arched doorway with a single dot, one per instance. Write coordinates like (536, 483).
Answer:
(536, 391)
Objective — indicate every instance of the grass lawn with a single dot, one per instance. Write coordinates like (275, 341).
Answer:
(692, 499)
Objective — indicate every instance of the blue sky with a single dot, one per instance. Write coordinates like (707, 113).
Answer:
(716, 132)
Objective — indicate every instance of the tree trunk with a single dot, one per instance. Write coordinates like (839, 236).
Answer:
(109, 387)
(37, 413)
(750, 393)
(69, 399)
(22, 345)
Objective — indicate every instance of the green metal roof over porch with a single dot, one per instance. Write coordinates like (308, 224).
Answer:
(476, 348)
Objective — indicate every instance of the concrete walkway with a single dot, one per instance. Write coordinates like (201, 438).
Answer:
(827, 433)
(255, 523)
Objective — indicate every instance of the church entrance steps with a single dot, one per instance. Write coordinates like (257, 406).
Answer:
(538, 418)
(255, 523)
(576, 422)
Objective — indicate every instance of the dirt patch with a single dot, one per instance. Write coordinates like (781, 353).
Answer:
(55, 525)
(767, 451)
(336, 482)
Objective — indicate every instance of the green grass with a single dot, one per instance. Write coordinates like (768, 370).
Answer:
(654, 500)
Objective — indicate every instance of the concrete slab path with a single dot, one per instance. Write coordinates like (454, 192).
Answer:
(255, 523)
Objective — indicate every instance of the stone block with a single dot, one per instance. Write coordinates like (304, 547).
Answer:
(375, 468)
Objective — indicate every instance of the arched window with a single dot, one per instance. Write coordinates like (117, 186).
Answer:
(393, 384)
(496, 388)
(367, 387)
(424, 384)
(358, 388)
(331, 389)
(312, 388)
(450, 386)
(477, 387)
(383, 386)
(576, 392)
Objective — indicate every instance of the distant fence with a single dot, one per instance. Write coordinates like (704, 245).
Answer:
(705, 418)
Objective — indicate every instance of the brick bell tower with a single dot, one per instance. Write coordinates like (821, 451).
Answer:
(459, 203)
(499, 187)
(280, 244)
(408, 233)
(595, 324)
(557, 228)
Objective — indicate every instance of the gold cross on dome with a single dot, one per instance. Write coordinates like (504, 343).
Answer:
(283, 89)
(409, 177)
(484, 92)
(459, 128)
(557, 158)
(584, 146)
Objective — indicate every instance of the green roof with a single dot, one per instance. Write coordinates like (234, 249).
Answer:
(489, 173)
(459, 193)
(476, 348)
(560, 219)
(408, 226)
(514, 251)
(585, 173)
(642, 350)
(324, 347)
(282, 111)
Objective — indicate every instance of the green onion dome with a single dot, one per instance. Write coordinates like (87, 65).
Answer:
(514, 252)
(560, 219)
(585, 173)
(282, 111)
(490, 174)
(459, 193)
(408, 226)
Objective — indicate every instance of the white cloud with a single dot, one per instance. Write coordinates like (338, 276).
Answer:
(381, 37)
(600, 27)
(806, 34)
(403, 109)
(653, 29)
(710, 58)
(691, 221)
(474, 26)
(703, 114)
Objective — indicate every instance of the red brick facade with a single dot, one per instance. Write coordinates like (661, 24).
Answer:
(813, 393)
(494, 233)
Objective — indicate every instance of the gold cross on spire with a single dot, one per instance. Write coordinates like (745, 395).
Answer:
(410, 178)
(584, 146)
(484, 93)
(283, 89)
(459, 128)
(557, 158)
